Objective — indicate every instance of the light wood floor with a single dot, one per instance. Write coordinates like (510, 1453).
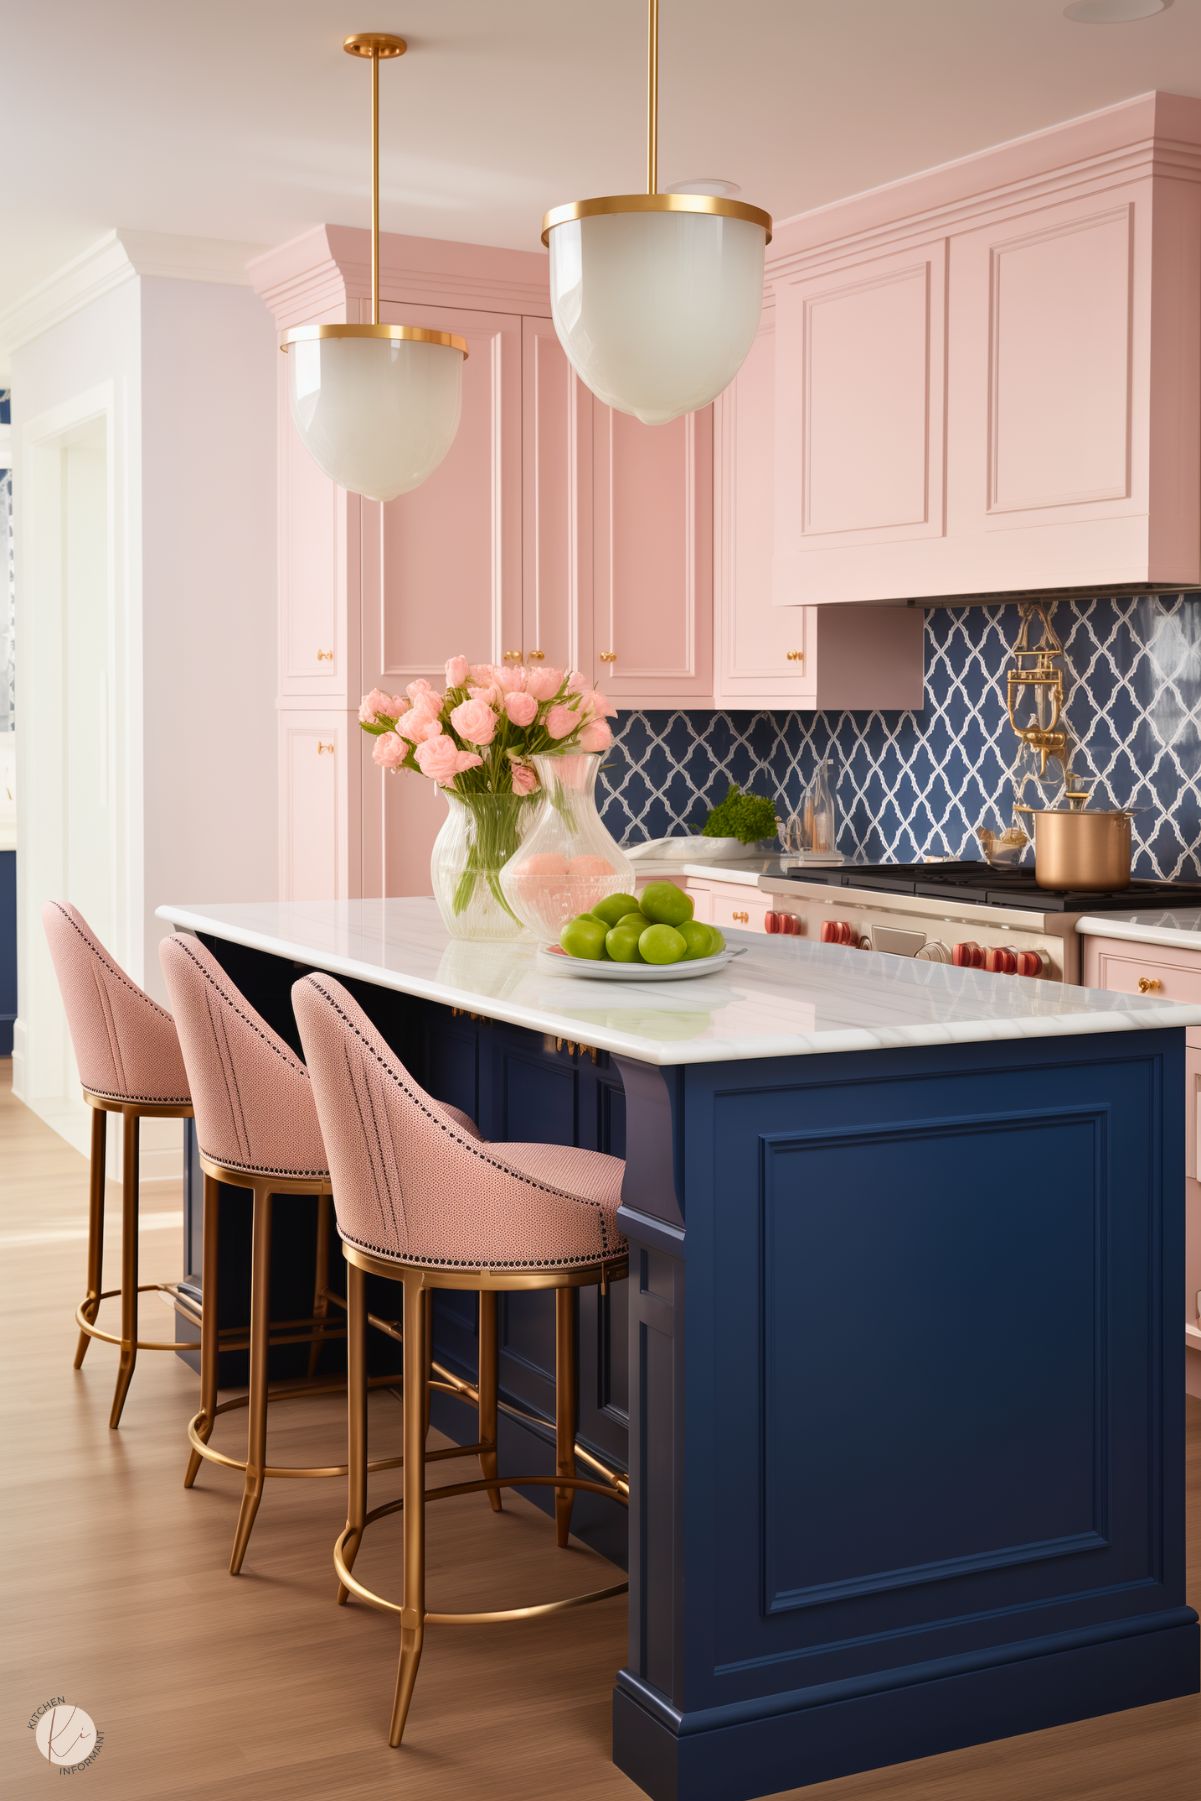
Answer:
(115, 1594)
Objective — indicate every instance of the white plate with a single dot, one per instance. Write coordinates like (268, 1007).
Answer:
(551, 957)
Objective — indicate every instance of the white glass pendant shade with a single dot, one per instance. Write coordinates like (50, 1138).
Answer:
(656, 309)
(377, 413)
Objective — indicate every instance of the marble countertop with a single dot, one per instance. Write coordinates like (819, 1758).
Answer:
(784, 997)
(1180, 927)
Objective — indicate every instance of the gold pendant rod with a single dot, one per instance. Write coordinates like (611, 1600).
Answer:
(652, 97)
(375, 187)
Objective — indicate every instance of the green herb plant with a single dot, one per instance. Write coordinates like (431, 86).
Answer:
(747, 817)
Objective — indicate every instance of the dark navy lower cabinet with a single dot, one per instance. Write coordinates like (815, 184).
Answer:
(906, 1408)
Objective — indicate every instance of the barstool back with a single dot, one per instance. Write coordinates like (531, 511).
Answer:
(125, 1043)
(252, 1095)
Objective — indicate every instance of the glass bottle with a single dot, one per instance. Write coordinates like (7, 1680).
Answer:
(819, 812)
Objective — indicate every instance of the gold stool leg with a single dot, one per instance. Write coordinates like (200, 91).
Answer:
(260, 1327)
(487, 1388)
(95, 1220)
(356, 1417)
(416, 1382)
(210, 1343)
(320, 1282)
(565, 1407)
(129, 1264)
(428, 1340)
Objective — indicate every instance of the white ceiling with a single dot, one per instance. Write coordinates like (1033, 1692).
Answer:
(241, 119)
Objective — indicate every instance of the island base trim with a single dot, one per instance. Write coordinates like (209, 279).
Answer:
(783, 1750)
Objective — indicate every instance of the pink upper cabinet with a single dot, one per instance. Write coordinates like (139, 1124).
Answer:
(653, 557)
(556, 571)
(989, 377)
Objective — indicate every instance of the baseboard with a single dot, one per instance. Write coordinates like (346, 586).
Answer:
(745, 1757)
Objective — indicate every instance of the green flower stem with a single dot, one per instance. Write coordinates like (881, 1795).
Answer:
(494, 835)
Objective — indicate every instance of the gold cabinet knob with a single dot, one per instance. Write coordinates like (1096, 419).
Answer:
(740, 919)
(512, 656)
(1150, 985)
(795, 656)
(608, 656)
(323, 748)
(325, 656)
(537, 656)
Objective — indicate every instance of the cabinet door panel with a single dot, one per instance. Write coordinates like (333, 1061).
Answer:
(556, 575)
(315, 800)
(859, 426)
(318, 587)
(653, 538)
(1192, 1224)
(1046, 369)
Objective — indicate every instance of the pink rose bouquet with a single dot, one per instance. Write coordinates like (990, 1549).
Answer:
(477, 740)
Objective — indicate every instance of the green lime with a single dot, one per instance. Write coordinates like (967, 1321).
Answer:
(697, 938)
(662, 944)
(665, 904)
(622, 944)
(584, 937)
(717, 941)
(613, 906)
(634, 919)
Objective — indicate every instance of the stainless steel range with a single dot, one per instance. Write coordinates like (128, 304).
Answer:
(964, 913)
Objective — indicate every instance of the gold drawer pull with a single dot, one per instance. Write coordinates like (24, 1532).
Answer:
(537, 656)
(323, 748)
(576, 1050)
(325, 656)
(741, 919)
(795, 656)
(608, 656)
(512, 656)
(1150, 985)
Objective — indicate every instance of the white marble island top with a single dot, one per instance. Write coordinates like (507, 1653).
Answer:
(784, 997)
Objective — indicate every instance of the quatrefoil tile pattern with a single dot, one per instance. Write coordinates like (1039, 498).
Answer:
(908, 784)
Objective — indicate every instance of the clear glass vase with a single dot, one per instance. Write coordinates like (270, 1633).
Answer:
(569, 860)
(479, 835)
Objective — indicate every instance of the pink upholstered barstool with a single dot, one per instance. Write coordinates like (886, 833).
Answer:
(129, 1063)
(257, 1129)
(423, 1203)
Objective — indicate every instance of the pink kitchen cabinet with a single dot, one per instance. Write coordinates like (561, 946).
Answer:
(795, 657)
(988, 376)
(652, 535)
(557, 582)
(319, 788)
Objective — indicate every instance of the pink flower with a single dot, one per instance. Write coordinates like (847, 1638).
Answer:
(377, 702)
(596, 735)
(419, 725)
(475, 721)
(420, 686)
(487, 691)
(562, 721)
(543, 683)
(482, 672)
(521, 708)
(525, 780)
(576, 683)
(510, 677)
(389, 751)
(456, 671)
(598, 704)
(441, 759)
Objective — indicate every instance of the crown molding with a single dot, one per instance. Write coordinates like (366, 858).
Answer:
(119, 256)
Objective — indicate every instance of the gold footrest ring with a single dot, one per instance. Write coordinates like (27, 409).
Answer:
(85, 1319)
(494, 1615)
(299, 1470)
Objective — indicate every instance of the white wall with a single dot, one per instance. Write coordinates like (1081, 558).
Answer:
(145, 635)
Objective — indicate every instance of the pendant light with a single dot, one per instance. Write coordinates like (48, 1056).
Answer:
(656, 297)
(377, 406)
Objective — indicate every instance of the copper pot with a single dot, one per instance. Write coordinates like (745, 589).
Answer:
(1087, 849)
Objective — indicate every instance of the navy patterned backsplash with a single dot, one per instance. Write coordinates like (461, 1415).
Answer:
(912, 783)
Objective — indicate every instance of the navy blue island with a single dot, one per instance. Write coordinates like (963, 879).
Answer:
(897, 1373)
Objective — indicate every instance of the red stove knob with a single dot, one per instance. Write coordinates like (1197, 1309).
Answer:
(968, 955)
(771, 922)
(1000, 960)
(1031, 963)
(792, 925)
(837, 931)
